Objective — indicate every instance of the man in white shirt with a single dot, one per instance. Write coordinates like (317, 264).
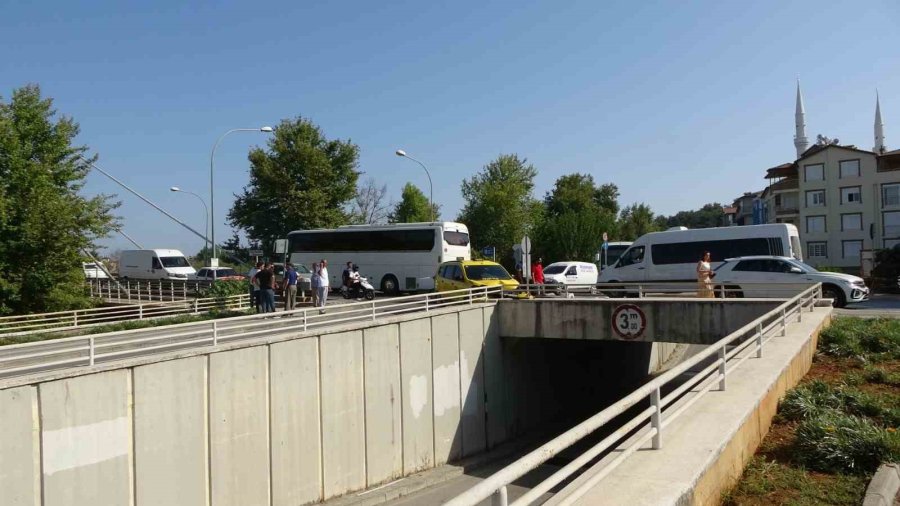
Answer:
(254, 286)
(323, 284)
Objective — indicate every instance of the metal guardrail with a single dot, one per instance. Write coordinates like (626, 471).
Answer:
(652, 420)
(144, 290)
(80, 351)
(84, 318)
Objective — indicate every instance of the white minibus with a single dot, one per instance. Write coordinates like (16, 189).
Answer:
(673, 255)
(154, 264)
(398, 257)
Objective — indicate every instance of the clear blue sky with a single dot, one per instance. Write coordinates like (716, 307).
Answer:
(678, 103)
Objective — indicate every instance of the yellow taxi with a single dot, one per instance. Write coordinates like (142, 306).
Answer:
(460, 274)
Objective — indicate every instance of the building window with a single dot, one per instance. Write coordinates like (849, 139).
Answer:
(814, 172)
(815, 198)
(851, 195)
(778, 200)
(849, 168)
(851, 221)
(817, 249)
(890, 194)
(851, 249)
(815, 224)
(891, 220)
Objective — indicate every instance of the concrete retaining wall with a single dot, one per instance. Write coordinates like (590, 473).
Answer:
(295, 420)
(674, 320)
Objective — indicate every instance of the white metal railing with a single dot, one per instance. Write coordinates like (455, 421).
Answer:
(660, 288)
(84, 318)
(726, 355)
(79, 351)
(145, 290)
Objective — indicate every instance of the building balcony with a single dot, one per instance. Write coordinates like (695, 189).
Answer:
(788, 210)
(785, 185)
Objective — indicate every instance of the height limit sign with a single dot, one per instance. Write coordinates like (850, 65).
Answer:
(629, 322)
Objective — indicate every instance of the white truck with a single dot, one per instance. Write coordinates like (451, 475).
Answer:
(169, 264)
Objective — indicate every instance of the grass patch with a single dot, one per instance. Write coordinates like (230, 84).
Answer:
(834, 429)
(771, 482)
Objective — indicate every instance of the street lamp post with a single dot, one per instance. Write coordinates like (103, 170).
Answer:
(205, 208)
(214, 261)
(403, 154)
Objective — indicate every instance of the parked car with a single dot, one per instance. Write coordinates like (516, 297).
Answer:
(93, 271)
(461, 274)
(571, 273)
(217, 273)
(774, 276)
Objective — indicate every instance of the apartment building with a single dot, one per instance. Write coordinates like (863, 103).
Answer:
(843, 200)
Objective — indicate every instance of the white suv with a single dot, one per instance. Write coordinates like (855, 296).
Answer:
(772, 276)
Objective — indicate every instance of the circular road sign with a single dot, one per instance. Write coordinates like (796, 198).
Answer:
(628, 321)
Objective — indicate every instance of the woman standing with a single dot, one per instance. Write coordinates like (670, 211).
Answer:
(314, 280)
(704, 277)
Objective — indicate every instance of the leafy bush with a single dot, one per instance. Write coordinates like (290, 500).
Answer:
(817, 398)
(222, 290)
(837, 442)
(873, 339)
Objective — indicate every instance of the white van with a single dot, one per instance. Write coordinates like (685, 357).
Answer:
(154, 264)
(571, 273)
(673, 255)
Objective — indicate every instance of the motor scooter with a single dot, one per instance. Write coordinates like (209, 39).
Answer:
(360, 288)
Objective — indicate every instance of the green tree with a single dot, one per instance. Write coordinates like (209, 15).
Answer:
(577, 214)
(301, 181)
(499, 206)
(46, 225)
(710, 215)
(635, 221)
(413, 207)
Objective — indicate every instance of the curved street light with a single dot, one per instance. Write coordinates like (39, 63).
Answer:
(214, 261)
(205, 208)
(403, 154)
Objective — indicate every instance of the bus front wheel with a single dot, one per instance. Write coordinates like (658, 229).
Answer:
(389, 285)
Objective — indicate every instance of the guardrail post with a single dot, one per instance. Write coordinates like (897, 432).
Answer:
(75, 319)
(373, 310)
(500, 497)
(427, 298)
(655, 419)
(640, 291)
(304, 320)
(722, 372)
(196, 307)
(215, 333)
(91, 350)
(128, 289)
(140, 311)
(160, 291)
(759, 340)
(783, 322)
(172, 289)
(139, 290)
(184, 290)
(800, 310)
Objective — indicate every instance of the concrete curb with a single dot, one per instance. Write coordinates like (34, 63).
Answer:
(883, 488)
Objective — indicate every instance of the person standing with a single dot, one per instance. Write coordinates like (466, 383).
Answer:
(323, 284)
(266, 279)
(537, 274)
(254, 286)
(704, 277)
(290, 288)
(314, 281)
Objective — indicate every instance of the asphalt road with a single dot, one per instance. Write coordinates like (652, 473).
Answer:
(878, 305)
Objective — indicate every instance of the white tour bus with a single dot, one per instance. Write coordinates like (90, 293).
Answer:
(673, 255)
(395, 258)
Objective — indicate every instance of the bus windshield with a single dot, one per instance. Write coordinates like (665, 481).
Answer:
(485, 272)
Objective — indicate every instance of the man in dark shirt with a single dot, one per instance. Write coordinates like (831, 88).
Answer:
(266, 280)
